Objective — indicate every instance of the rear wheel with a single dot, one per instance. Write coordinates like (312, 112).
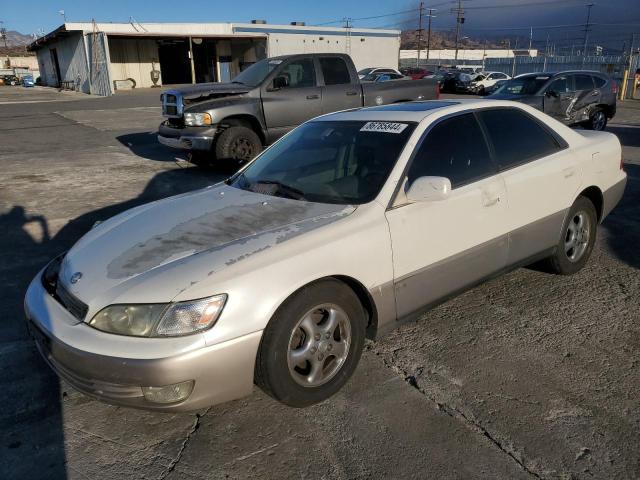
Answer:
(312, 344)
(577, 239)
(238, 143)
(597, 120)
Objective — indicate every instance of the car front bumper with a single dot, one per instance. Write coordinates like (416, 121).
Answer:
(187, 138)
(220, 372)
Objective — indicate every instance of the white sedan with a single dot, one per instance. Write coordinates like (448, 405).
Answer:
(347, 226)
(488, 80)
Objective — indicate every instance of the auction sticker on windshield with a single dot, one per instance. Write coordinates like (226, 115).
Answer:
(385, 127)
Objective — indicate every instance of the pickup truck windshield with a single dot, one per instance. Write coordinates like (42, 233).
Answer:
(256, 73)
(341, 162)
(523, 85)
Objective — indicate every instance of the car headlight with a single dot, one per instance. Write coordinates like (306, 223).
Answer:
(161, 319)
(197, 119)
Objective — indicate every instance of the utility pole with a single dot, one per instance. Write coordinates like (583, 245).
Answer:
(586, 33)
(348, 24)
(419, 35)
(459, 11)
(431, 15)
(530, 40)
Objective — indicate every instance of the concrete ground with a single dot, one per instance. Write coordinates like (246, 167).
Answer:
(527, 376)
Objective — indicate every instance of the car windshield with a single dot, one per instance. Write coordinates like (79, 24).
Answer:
(340, 162)
(365, 71)
(256, 73)
(524, 85)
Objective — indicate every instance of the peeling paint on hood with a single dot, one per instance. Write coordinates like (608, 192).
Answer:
(232, 223)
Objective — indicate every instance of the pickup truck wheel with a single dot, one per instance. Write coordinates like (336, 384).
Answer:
(577, 239)
(238, 143)
(597, 120)
(312, 344)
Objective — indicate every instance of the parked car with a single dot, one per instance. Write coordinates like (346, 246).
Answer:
(11, 80)
(455, 82)
(494, 88)
(351, 224)
(415, 73)
(368, 71)
(480, 84)
(383, 77)
(27, 81)
(576, 97)
(234, 120)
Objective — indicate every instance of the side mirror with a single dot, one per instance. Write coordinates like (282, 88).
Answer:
(429, 189)
(281, 81)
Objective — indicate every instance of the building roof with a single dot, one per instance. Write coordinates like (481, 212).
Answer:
(250, 30)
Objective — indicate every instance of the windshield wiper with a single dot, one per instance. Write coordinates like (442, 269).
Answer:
(286, 190)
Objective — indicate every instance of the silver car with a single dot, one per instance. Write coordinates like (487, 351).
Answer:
(349, 224)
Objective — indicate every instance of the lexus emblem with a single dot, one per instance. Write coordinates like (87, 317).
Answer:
(75, 278)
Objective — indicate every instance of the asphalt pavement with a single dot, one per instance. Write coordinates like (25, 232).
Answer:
(527, 376)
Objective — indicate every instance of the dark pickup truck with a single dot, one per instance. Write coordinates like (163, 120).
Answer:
(235, 120)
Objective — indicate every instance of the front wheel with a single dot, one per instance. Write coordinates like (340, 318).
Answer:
(312, 345)
(577, 239)
(238, 143)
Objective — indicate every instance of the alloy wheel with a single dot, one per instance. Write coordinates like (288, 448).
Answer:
(319, 345)
(577, 236)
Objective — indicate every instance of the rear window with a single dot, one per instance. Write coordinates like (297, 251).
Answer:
(334, 70)
(584, 82)
(517, 137)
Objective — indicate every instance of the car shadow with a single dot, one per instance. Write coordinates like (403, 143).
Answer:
(629, 135)
(32, 444)
(146, 145)
(621, 226)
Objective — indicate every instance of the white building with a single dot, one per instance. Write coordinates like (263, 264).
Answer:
(93, 57)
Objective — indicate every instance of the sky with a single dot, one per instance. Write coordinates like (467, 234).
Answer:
(562, 20)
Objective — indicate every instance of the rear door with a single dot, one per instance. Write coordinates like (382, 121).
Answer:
(440, 247)
(541, 175)
(340, 87)
(559, 97)
(289, 106)
(586, 94)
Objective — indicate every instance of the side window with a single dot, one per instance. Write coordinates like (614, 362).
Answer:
(334, 70)
(559, 85)
(599, 81)
(501, 76)
(516, 137)
(583, 82)
(300, 73)
(456, 149)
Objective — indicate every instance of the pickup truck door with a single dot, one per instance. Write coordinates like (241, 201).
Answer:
(340, 86)
(441, 247)
(299, 99)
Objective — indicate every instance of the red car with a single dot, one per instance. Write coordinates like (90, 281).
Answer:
(415, 73)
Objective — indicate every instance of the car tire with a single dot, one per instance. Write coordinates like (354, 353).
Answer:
(597, 120)
(238, 143)
(577, 239)
(312, 344)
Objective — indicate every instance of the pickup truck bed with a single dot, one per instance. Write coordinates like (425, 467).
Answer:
(219, 121)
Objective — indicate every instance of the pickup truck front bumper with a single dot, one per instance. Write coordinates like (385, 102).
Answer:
(187, 138)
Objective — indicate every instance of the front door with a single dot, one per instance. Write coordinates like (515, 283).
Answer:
(291, 98)
(441, 247)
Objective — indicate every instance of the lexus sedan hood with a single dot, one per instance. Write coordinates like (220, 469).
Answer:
(227, 223)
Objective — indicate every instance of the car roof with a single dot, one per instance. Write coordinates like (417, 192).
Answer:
(411, 111)
(563, 72)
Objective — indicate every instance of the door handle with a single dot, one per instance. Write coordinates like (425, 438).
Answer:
(352, 93)
(313, 97)
(490, 202)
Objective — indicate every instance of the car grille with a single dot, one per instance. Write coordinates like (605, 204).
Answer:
(75, 306)
(172, 104)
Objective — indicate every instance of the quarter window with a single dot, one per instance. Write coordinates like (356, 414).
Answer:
(454, 148)
(335, 71)
(599, 81)
(516, 137)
